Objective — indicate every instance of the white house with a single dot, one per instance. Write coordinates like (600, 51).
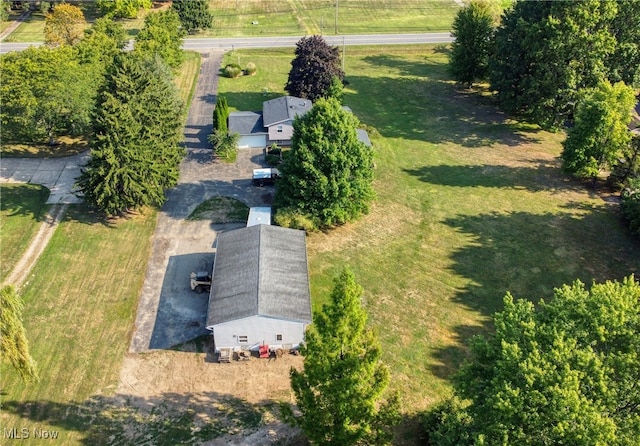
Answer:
(274, 124)
(260, 289)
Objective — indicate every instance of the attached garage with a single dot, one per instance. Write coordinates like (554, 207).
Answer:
(250, 128)
(252, 141)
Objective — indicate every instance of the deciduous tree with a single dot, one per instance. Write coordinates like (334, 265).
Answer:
(127, 9)
(102, 42)
(64, 26)
(564, 373)
(545, 52)
(14, 347)
(44, 93)
(601, 134)
(339, 389)
(473, 29)
(624, 62)
(328, 172)
(315, 65)
(162, 35)
(137, 133)
(194, 14)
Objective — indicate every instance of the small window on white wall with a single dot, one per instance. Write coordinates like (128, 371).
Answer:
(278, 337)
(243, 339)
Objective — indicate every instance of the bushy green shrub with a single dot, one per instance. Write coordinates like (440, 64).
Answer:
(272, 160)
(251, 69)
(291, 218)
(232, 70)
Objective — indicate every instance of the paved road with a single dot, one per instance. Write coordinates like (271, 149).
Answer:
(206, 45)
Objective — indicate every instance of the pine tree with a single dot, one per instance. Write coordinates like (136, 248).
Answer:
(194, 14)
(339, 389)
(136, 149)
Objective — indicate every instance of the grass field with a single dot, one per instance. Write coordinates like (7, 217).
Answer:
(22, 209)
(295, 17)
(80, 302)
(471, 204)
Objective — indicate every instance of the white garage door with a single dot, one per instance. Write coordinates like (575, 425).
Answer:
(252, 141)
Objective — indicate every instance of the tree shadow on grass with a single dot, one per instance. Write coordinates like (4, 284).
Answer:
(543, 176)
(433, 111)
(169, 419)
(529, 255)
(25, 200)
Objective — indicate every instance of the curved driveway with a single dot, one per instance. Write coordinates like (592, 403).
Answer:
(57, 174)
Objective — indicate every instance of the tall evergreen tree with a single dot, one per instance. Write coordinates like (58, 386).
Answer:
(220, 115)
(328, 172)
(194, 14)
(339, 389)
(138, 129)
(545, 52)
(13, 342)
(473, 29)
(315, 65)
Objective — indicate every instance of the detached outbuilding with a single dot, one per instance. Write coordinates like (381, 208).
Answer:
(260, 289)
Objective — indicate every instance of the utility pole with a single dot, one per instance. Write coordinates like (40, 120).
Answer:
(344, 53)
(336, 16)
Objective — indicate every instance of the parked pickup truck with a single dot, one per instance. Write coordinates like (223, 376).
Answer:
(267, 176)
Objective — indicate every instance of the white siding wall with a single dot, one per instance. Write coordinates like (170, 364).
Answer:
(258, 330)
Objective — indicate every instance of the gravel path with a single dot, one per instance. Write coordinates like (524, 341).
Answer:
(29, 258)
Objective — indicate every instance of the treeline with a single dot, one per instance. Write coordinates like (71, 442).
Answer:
(83, 83)
(563, 65)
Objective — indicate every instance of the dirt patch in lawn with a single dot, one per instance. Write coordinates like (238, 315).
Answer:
(220, 404)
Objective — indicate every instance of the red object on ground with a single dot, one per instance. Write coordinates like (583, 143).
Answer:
(264, 351)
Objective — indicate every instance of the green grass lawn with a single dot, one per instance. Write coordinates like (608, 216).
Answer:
(80, 302)
(298, 17)
(294, 17)
(22, 209)
(471, 204)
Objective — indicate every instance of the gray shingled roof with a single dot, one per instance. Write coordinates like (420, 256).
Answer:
(246, 123)
(283, 109)
(260, 270)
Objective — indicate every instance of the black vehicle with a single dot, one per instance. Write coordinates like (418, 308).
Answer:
(265, 177)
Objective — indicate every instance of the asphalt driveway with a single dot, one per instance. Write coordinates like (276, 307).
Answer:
(169, 313)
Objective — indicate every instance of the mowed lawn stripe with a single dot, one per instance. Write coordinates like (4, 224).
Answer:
(80, 305)
(22, 210)
(471, 204)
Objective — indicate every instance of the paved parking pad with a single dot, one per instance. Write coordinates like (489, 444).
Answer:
(59, 175)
